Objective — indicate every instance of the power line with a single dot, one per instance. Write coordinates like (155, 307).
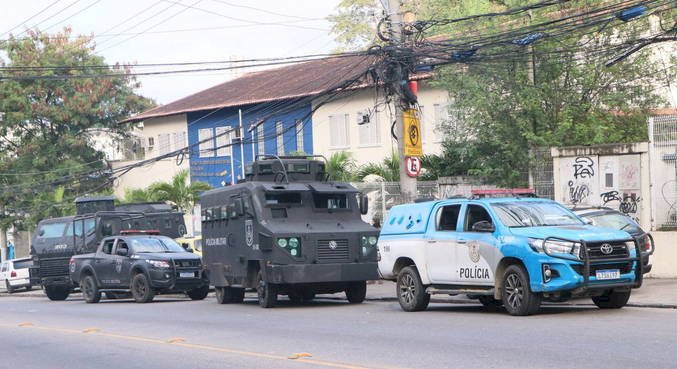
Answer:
(51, 16)
(263, 10)
(73, 15)
(30, 18)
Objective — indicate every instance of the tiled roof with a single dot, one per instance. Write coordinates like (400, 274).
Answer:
(292, 81)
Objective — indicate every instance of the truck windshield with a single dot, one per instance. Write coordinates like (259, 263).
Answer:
(164, 244)
(534, 214)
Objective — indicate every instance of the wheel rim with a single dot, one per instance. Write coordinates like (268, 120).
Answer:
(261, 290)
(88, 288)
(407, 288)
(514, 291)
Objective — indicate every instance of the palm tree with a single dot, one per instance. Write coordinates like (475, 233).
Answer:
(179, 192)
(137, 195)
(388, 169)
(341, 166)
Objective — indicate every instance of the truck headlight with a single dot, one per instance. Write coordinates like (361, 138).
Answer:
(282, 242)
(556, 247)
(291, 244)
(158, 263)
(372, 240)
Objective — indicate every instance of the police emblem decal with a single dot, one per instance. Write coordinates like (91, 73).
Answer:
(474, 252)
(249, 232)
(333, 245)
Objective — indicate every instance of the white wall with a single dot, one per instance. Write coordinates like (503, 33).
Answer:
(174, 128)
(362, 101)
(665, 257)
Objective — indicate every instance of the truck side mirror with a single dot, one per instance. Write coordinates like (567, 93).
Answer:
(483, 226)
(122, 252)
(364, 204)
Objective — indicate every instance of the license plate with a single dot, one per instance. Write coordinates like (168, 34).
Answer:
(187, 274)
(605, 274)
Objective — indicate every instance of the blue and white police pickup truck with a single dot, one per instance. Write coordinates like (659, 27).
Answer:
(508, 250)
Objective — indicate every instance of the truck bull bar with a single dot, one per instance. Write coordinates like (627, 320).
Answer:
(587, 262)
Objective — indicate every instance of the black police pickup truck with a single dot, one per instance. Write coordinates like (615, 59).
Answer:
(144, 265)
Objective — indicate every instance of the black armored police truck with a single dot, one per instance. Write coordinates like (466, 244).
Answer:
(57, 239)
(287, 229)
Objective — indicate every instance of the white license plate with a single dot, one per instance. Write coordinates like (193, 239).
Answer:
(187, 274)
(605, 274)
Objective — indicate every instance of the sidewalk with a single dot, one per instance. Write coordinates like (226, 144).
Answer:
(654, 293)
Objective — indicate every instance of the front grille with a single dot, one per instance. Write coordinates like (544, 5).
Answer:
(619, 250)
(326, 254)
(624, 268)
(187, 263)
(56, 267)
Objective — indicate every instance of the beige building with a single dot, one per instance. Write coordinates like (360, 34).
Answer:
(340, 125)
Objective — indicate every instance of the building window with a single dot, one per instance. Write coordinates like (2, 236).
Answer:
(279, 134)
(164, 144)
(180, 140)
(338, 131)
(368, 127)
(261, 140)
(299, 135)
(223, 142)
(440, 121)
(206, 138)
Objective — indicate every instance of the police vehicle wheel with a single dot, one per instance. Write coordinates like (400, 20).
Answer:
(410, 291)
(612, 299)
(141, 290)
(516, 292)
(198, 293)
(9, 287)
(267, 292)
(356, 292)
(90, 291)
(229, 295)
(56, 293)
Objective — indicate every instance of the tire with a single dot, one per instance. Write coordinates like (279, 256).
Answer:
(9, 287)
(490, 303)
(56, 293)
(612, 299)
(356, 292)
(199, 293)
(267, 292)
(410, 291)
(141, 289)
(90, 291)
(516, 292)
(229, 295)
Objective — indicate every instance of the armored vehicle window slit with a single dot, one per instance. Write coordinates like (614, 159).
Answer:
(330, 201)
(278, 212)
(52, 230)
(447, 217)
(285, 198)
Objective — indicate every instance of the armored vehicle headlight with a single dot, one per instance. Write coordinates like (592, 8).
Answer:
(158, 263)
(282, 242)
(364, 241)
(372, 240)
(293, 242)
(293, 252)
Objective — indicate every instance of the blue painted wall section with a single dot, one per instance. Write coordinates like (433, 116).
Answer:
(214, 167)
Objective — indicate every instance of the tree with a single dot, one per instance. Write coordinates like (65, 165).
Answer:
(341, 167)
(44, 144)
(179, 192)
(388, 170)
(137, 195)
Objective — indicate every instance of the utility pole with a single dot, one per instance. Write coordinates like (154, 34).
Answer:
(407, 184)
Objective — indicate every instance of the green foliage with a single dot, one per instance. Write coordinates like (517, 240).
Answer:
(388, 169)
(137, 195)
(45, 151)
(354, 23)
(341, 167)
(179, 192)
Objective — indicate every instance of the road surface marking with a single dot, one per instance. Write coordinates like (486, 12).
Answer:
(298, 355)
(180, 342)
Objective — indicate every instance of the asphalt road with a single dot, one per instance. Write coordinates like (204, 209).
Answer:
(327, 333)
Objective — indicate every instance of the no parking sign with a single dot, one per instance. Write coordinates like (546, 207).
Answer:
(413, 166)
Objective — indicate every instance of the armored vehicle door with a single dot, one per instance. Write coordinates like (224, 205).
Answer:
(84, 234)
(477, 253)
(441, 242)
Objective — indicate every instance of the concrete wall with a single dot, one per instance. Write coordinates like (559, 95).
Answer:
(175, 126)
(615, 176)
(360, 102)
(664, 259)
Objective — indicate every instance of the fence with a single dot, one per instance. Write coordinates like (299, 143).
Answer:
(663, 154)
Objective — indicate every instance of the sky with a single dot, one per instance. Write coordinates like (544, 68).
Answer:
(171, 31)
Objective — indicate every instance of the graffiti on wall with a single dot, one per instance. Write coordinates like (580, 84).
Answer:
(578, 192)
(584, 167)
(627, 203)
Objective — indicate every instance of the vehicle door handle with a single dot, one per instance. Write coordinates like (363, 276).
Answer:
(432, 241)
(461, 241)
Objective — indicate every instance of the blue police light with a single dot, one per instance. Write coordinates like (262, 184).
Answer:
(463, 55)
(529, 39)
(631, 13)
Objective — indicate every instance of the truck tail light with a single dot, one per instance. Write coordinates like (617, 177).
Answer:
(12, 274)
(647, 243)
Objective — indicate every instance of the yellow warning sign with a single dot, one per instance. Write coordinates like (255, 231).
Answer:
(412, 134)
